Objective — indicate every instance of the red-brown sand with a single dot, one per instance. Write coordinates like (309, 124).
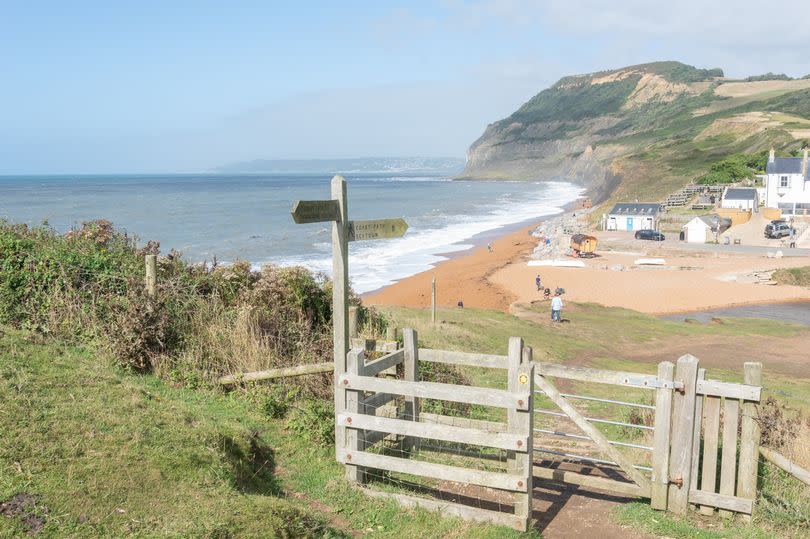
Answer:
(494, 280)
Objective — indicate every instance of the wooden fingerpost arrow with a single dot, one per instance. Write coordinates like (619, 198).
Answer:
(343, 231)
(377, 229)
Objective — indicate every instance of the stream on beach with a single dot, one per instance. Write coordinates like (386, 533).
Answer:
(796, 312)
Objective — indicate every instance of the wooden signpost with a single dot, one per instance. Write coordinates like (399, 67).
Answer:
(343, 231)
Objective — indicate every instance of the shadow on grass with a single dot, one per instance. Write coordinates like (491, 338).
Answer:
(253, 463)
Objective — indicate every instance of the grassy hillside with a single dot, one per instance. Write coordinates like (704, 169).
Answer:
(93, 451)
(642, 131)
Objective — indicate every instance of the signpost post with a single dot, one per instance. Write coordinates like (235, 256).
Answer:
(343, 231)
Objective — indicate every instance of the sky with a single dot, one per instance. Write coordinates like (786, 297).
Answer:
(186, 86)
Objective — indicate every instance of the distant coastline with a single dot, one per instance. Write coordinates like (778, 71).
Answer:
(449, 166)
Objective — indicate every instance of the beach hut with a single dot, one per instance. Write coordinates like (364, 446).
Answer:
(583, 245)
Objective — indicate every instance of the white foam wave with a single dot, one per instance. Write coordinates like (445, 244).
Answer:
(375, 264)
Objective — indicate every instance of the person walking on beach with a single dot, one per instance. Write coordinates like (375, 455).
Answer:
(539, 282)
(556, 307)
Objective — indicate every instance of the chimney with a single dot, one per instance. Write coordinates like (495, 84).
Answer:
(772, 156)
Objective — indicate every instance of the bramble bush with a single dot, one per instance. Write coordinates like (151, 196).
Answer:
(207, 320)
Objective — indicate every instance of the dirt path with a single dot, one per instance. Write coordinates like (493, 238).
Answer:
(568, 511)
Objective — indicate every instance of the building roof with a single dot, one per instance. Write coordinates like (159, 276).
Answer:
(635, 209)
(700, 220)
(713, 221)
(785, 165)
(738, 193)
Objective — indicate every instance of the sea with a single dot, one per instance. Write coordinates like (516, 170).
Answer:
(231, 217)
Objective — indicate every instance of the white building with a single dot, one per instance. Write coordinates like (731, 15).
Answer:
(697, 230)
(705, 228)
(787, 184)
(740, 198)
(632, 217)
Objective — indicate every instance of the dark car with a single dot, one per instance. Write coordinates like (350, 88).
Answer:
(649, 235)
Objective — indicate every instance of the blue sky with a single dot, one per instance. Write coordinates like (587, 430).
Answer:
(185, 86)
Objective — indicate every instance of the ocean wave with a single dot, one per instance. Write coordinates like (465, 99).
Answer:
(375, 264)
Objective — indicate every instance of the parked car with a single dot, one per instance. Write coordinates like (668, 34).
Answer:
(649, 235)
(778, 230)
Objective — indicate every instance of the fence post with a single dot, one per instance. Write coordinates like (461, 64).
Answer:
(354, 437)
(352, 322)
(521, 378)
(749, 439)
(663, 421)
(683, 429)
(433, 301)
(411, 365)
(151, 275)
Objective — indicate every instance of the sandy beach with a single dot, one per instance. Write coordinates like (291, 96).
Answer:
(689, 281)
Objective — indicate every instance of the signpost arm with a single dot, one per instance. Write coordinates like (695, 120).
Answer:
(340, 297)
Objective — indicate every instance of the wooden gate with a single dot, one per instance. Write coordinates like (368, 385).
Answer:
(361, 430)
(685, 436)
(691, 423)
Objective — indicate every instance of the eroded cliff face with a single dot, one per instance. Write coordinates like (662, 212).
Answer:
(573, 130)
(573, 158)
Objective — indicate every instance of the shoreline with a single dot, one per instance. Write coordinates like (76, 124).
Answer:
(502, 278)
(511, 244)
(480, 240)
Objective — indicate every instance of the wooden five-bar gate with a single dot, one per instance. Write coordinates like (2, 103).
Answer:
(702, 443)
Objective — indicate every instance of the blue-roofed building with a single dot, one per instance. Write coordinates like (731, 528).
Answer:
(787, 184)
(633, 216)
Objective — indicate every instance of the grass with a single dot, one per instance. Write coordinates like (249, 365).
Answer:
(596, 328)
(793, 276)
(109, 453)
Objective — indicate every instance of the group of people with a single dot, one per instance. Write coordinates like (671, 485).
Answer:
(556, 301)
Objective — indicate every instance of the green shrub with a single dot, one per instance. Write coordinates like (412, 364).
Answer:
(315, 421)
(206, 321)
(735, 168)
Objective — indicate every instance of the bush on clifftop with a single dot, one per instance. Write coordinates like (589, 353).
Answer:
(88, 286)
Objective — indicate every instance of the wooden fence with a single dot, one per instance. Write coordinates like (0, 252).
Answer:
(696, 424)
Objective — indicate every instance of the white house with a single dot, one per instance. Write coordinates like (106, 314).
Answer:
(705, 228)
(787, 184)
(632, 217)
(740, 198)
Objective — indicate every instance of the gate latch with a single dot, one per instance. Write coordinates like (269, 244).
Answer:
(678, 482)
(653, 383)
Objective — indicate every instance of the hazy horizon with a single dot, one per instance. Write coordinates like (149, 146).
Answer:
(158, 87)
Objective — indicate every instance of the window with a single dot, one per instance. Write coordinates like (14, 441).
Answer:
(784, 181)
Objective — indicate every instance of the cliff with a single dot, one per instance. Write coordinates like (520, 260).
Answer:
(639, 131)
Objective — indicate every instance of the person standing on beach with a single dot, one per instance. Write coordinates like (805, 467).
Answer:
(556, 307)
(539, 282)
